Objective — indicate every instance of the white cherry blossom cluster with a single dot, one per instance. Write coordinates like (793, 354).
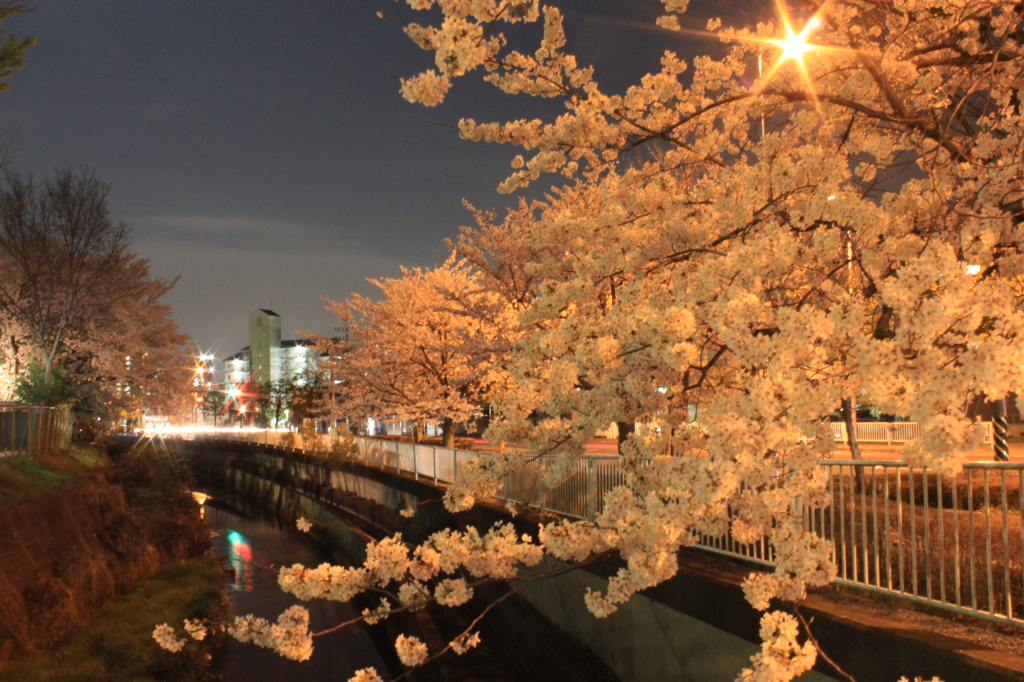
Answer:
(289, 636)
(378, 614)
(366, 675)
(465, 642)
(195, 629)
(165, 636)
(453, 592)
(411, 651)
(781, 657)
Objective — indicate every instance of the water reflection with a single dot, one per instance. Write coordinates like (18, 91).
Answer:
(254, 550)
(240, 557)
(201, 498)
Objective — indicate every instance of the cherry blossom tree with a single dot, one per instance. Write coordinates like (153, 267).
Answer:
(738, 245)
(72, 292)
(427, 350)
(134, 358)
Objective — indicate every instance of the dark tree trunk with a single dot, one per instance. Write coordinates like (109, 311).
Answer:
(849, 411)
(625, 429)
(850, 419)
(447, 433)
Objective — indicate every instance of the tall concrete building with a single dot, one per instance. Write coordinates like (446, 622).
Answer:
(265, 346)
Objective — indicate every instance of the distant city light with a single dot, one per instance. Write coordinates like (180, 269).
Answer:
(168, 430)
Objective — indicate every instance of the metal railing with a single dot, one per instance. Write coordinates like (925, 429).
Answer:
(890, 432)
(953, 542)
(31, 430)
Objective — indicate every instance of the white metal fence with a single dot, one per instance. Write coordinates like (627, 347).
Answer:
(950, 541)
(953, 542)
(31, 430)
(890, 432)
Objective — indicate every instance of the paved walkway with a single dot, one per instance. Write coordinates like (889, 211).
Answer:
(875, 451)
(870, 451)
(895, 452)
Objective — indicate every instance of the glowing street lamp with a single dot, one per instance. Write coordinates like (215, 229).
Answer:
(794, 45)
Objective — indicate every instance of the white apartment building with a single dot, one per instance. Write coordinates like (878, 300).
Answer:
(267, 357)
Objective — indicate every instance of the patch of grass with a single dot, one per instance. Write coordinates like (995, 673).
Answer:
(27, 476)
(22, 477)
(88, 456)
(119, 645)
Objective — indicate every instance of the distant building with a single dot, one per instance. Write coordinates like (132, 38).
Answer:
(298, 358)
(237, 368)
(265, 346)
(267, 357)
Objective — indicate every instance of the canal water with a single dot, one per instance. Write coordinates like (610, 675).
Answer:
(255, 549)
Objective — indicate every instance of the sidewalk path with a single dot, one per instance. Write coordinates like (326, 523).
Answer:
(880, 451)
(869, 451)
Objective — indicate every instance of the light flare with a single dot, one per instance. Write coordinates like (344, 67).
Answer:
(794, 45)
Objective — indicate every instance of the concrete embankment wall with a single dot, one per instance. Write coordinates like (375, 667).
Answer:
(696, 626)
(286, 503)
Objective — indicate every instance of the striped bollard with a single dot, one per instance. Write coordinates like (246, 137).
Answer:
(999, 441)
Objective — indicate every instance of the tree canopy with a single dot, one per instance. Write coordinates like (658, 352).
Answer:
(429, 350)
(73, 293)
(734, 247)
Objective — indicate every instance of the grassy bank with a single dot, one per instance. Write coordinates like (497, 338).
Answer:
(118, 646)
(22, 477)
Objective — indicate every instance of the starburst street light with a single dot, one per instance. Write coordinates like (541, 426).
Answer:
(794, 45)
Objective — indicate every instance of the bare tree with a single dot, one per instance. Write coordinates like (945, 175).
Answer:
(63, 261)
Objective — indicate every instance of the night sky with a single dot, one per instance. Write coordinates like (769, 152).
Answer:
(260, 149)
